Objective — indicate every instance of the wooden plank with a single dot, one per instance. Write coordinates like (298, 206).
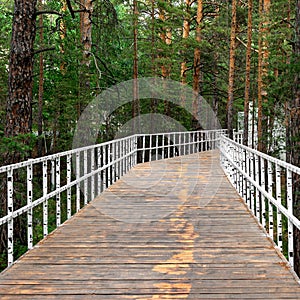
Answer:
(172, 229)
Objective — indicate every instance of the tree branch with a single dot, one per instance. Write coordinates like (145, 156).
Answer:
(43, 50)
(70, 9)
(49, 12)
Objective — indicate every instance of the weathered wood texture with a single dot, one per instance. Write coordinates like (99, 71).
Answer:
(172, 229)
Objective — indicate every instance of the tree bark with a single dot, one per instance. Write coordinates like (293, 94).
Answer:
(229, 108)
(263, 61)
(20, 80)
(19, 101)
(41, 85)
(197, 60)
(135, 102)
(248, 73)
(86, 30)
(185, 35)
(295, 138)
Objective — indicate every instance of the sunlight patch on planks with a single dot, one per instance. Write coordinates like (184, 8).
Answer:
(172, 229)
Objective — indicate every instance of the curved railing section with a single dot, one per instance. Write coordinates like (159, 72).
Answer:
(39, 194)
(266, 185)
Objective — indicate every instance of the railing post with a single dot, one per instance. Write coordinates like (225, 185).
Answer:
(278, 197)
(58, 212)
(85, 171)
(104, 159)
(289, 184)
(45, 203)
(69, 204)
(263, 200)
(77, 164)
(92, 163)
(29, 203)
(251, 162)
(257, 196)
(270, 191)
(99, 165)
(109, 167)
(10, 223)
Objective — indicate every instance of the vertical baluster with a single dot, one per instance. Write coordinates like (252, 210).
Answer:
(270, 191)
(184, 143)
(245, 181)
(117, 165)
(174, 144)
(99, 164)
(92, 168)
(45, 203)
(169, 145)
(163, 146)
(263, 185)
(124, 156)
(85, 171)
(135, 146)
(10, 223)
(52, 175)
(278, 198)
(29, 203)
(69, 204)
(104, 163)
(156, 147)
(127, 156)
(150, 147)
(109, 167)
(240, 155)
(251, 161)
(257, 196)
(289, 185)
(78, 183)
(58, 211)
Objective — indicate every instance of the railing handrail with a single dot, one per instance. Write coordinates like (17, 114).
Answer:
(275, 160)
(257, 177)
(94, 167)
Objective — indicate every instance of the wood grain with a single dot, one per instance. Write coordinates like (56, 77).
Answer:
(172, 229)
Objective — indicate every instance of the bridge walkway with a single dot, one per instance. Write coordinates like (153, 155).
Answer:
(169, 229)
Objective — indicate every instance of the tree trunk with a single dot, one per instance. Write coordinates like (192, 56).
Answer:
(86, 31)
(41, 85)
(197, 61)
(295, 139)
(229, 108)
(20, 81)
(19, 101)
(248, 73)
(166, 37)
(135, 102)
(185, 35)
(263, 58)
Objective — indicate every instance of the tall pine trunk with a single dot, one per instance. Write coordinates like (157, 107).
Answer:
(263, 61)
(20, 80)
(197, 63)
(248, 73)
(135, 102)
(295, 138)
(41, 85)
(19, 101)
(229, 108)
(185, 35)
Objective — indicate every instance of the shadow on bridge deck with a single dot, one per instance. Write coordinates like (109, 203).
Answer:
(171, 229)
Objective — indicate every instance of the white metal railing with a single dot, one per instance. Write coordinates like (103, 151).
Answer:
(266, 185)
(44, 192)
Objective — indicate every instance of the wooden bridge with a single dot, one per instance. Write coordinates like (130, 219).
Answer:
(168, 229)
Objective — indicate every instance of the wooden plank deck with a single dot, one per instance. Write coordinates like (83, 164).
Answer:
(172, 229)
